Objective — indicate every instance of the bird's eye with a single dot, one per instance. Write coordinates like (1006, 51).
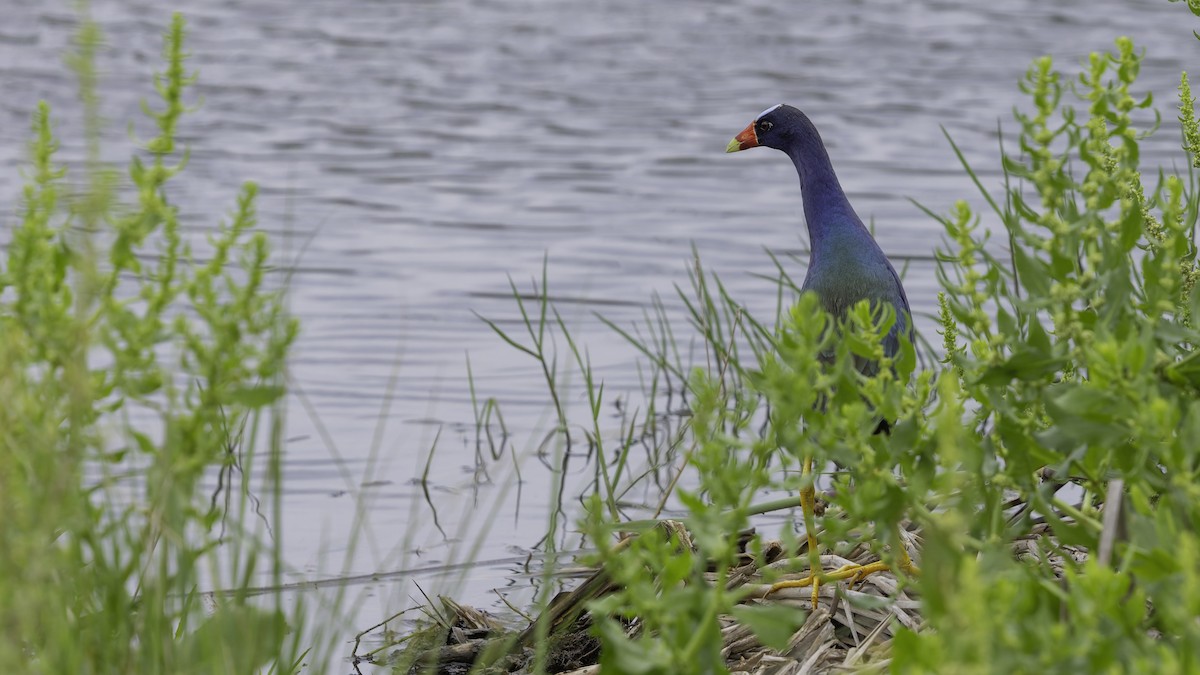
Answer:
(764, 126)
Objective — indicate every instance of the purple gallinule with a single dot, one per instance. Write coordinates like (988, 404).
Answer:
(845, 266)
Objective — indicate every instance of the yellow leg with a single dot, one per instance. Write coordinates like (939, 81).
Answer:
(808, 501)
(808, 506)
(905, 563)
(855, 573)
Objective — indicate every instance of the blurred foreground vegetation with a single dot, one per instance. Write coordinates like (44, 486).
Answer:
(133, 366)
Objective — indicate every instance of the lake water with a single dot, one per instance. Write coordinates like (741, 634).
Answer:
(421, 153)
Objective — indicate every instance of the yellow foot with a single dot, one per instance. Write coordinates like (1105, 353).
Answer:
(855, 573)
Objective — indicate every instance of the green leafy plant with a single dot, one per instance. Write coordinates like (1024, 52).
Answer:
(806, 399)
(132, 365)
(1072, 362)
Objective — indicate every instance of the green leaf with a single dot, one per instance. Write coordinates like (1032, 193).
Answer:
(144, 443)
(773, 624)
(257, 396)
(906, 359)
(622, 655)
(1082, 400)
(243, 638)
(1082, 415)
(1032, 272)
(1186, 370)
(1037, 337)
(1027, 365)
(1131, 227)
(1025, 455)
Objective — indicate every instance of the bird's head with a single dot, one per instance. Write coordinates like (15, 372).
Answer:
(774, 127)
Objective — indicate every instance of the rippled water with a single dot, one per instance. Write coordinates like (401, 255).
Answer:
(423, 152)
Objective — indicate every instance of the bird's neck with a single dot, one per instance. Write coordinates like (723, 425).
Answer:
(827, 211)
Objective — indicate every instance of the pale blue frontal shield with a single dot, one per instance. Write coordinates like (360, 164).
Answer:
(767, 111)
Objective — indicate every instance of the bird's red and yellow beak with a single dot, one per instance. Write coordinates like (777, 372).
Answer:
(746, 139)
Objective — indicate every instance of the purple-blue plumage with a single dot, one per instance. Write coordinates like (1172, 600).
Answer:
(845, 264)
